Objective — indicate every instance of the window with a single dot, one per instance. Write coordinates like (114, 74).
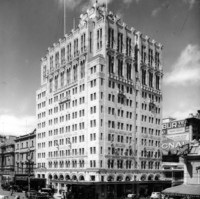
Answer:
(157, 82)
(128, 46)
(150, 79)
(57, 59)
(157, 59)
(69, 48)
(110, 64)
(56, 82)
(82, 69)
(51, 62)
(120, 42)
(120, 67)
(110, 38)
(143, 77)
(83, 48)
(62, 55)
(76, 53)
(51, 85)
(62, 79)
(129, 71)
(150, 57)
(143, 54)
(99, 38)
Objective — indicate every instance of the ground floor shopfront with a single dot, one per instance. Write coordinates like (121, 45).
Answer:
(108, 190)
(6, 177)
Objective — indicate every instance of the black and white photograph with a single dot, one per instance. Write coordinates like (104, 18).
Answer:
(99, 99)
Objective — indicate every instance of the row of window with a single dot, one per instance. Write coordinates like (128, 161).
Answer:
(151, 97)
(150, 154)
(71, 76)
(151, 79)
(145, 142)
(25, 144)
(151, 106)
(119, 125)
(60, 57)
(151, 119)
(121, 87)
(120, 113)
(41, 95)
(151, 131)
(129, 47)
(150, 165)
(41, 105)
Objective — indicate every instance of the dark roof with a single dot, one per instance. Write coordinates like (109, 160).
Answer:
(183, 190)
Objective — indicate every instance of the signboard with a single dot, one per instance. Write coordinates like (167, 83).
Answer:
(24, 178)
(175, 134)
(174, 124)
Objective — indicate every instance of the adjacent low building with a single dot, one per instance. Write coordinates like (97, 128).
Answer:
(177, 133)
(24, 147)
(190, 157)
(7, 158)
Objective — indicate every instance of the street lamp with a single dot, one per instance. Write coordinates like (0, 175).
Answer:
(29, 164)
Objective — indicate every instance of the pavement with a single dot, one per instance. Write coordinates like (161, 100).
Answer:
(8, 193)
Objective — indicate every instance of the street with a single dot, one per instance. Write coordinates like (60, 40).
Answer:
(8, 193)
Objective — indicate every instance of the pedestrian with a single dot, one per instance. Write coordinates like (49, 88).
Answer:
(11, 190)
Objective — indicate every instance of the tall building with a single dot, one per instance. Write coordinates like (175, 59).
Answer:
(99, 106)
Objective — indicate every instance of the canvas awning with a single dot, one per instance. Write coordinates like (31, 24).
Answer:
(183, 190)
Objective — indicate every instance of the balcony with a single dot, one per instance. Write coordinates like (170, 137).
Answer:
(63, 62)
(65, 99)
(121, 79)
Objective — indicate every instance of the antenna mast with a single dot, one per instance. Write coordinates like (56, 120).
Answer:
(64, 19)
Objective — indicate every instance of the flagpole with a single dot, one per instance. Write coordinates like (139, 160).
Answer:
(106, 5)
(64, 19)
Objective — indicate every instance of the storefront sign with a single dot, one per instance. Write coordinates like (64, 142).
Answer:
(174, 124)
(24, 178)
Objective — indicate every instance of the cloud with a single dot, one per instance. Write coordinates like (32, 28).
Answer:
(89, 3)
(181, 114)
(157, 10)
(190, 3)
(186, 69)
(13, 125)
(70, 4)
(129, 1)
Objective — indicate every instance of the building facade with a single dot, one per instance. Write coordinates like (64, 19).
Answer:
(7, 158)
(190, 157)
(24, 146)
(177, 133)
(99, 106)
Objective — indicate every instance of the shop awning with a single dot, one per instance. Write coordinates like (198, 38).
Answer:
(183, 190)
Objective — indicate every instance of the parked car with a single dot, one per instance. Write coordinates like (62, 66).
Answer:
(4, 197)
(17, 188)
(5, 187)
(155, 195)
(131, 196)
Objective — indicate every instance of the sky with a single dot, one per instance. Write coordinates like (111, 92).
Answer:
(29, 27)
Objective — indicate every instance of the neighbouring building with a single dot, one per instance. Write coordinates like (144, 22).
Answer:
(25, 146)
(7, 158)
(99, 106)
(190, 157)
(177, 133)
